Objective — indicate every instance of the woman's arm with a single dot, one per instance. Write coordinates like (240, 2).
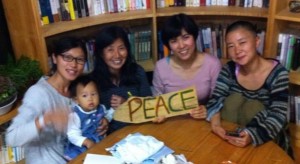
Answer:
(267, 124)
(23, 127)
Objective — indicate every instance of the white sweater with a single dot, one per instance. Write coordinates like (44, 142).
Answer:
(45, 146)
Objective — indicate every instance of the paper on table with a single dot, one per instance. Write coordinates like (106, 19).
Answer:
(103, 159)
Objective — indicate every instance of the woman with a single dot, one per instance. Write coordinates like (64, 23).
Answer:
(42, 117)
(186, 66)
(251, 91)
(116, 72)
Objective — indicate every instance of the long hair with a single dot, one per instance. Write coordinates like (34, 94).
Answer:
(107, 36)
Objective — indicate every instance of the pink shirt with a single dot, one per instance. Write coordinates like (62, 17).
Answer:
(165, 80)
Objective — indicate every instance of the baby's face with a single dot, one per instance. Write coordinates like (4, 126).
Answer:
(87, 96)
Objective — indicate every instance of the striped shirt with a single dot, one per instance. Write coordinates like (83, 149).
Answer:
(270, 123)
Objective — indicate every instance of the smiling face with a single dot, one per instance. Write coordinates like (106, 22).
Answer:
(87, 96)
(183, 46)
(242, 46)
(69, 70)
(115, 56)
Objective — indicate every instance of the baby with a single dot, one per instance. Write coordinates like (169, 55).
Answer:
(85, 118)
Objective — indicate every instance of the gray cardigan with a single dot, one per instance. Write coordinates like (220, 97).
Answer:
(45, 146)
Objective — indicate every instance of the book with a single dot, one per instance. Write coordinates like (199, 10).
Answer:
(290, 52)
(46, 12)
(297, 110)
(71, 9)
(296, 57)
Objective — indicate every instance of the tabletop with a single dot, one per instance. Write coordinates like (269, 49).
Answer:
(195, 140)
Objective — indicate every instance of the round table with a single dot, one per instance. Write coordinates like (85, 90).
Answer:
(195, 140)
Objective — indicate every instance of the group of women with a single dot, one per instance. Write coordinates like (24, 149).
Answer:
(249, 90)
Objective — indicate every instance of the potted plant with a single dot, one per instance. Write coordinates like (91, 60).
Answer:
(8, 94)
(16, 77)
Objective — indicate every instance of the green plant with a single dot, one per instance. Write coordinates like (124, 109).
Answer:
(22, 72)
(7, 90)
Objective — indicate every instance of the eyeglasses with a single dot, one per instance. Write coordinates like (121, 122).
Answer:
(69, 58)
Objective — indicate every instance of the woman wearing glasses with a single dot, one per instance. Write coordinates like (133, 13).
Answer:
(43, 115)
(116, 72)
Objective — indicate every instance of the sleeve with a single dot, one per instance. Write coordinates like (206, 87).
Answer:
(109, 114)
(267, 124)
(23, 129)
(157, 81)
(74, 132)
(214, 74)
(144, 87)
(220, 92)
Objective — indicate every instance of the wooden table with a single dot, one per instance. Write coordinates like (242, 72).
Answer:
(194, 139)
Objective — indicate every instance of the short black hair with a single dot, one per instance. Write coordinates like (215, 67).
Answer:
(175, 24)
(64, 44)
(83, 80)
(242, 24)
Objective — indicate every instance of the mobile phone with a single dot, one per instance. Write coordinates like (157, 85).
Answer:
(233, 133)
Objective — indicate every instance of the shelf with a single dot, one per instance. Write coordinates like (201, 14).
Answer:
(215, 10)
(295, 140)
(294, 77)
(286, 15)
(11, 114)
(65, 26)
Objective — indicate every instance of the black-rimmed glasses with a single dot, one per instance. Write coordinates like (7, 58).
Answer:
(69, 58)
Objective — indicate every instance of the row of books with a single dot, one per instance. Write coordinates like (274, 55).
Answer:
(211, 39)
(64, 10)
(288, 52)
(197, 3)
(141, 46)
(294, 109)
(9, 154)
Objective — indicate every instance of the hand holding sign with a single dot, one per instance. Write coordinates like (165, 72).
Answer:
(144, 109)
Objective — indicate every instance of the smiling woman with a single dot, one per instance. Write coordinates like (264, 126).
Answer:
(42, 117)
(116, 72)
(251, 91)
(186, 66)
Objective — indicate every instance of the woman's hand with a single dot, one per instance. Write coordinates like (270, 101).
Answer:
(103, 126)
(241, 141)
(219, 131)
(58, 119)
(199, 113)
(159, 119)
(116, 101)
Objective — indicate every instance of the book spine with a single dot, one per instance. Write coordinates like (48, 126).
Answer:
(71, 9)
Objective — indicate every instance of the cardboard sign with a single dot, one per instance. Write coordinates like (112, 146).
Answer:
(144, 109)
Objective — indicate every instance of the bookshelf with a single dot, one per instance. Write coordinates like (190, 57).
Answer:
(279, 20)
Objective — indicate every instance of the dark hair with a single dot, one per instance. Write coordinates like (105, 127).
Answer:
(83, 80)
(242, 24)
(173, 26)
(65, 44)
(104, 38)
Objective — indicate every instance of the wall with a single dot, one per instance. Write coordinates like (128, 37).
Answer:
(5, 44)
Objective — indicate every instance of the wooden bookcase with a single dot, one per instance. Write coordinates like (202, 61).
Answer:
(30, 38)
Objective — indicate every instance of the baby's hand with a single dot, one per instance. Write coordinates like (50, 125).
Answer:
(88, 143)
(116, 101)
